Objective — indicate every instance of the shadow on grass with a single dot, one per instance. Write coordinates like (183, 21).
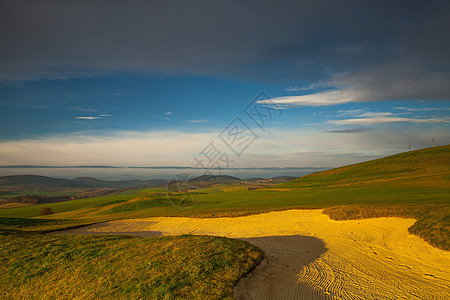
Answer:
(88, 230)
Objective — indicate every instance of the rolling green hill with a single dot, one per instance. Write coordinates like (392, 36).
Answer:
(428, 167)
(37, 182)
(97, 183)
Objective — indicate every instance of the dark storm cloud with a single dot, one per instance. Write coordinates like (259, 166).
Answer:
(293, 40)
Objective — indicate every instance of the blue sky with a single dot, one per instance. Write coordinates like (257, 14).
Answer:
(159, 82)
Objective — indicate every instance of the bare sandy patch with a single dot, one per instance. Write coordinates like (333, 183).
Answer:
(310, 256)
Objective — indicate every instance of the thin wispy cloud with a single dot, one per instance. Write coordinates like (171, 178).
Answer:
(101, 116)
(422, 108)
(316, 99)
(349, 112)
(89, 118)
(350, 130)
(80, 108)
(361, 117)
(376, 114)
(385, 83)
(41, 106)
(304, 88)
(199, 121)
(384, 120)
(161, 117)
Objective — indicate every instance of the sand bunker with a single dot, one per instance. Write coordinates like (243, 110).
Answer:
(309, 256)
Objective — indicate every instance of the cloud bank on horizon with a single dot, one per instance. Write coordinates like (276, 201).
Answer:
(76, 75)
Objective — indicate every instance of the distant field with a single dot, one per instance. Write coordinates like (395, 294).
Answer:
(216, 201)
(38, 192)
(33, 211)
(14, 205)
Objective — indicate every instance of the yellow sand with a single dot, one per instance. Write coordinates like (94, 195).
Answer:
(368, 259)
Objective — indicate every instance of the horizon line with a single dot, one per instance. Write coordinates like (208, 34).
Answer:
(155, 168)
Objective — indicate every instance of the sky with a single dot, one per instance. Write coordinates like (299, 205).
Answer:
(213, 85)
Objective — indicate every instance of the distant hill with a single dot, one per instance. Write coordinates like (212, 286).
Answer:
(47, 183)
(37, 182)
(425, 167)
(215, 179)
(97, 183)
(150, 182)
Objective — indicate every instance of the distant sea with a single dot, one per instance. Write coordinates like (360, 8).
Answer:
(124, 173)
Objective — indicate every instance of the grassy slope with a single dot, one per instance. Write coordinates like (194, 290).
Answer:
(408, 168)
(97, 267)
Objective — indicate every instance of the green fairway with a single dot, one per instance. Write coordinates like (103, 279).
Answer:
(144, 203)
